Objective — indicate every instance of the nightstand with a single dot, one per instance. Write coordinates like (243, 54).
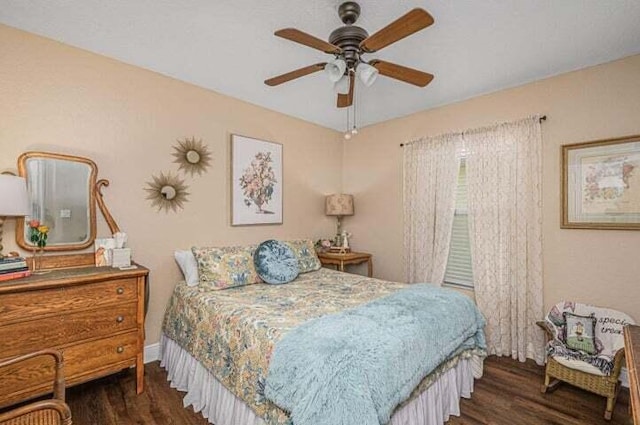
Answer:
(341, 260)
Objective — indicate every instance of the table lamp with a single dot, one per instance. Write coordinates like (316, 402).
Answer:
(14, 200)
(339, 205)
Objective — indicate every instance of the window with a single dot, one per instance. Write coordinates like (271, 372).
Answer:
(459, 272)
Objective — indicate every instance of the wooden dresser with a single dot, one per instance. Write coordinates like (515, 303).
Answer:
(632, 354)
(94, 315)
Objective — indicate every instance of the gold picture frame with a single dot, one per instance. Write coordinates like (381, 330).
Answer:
(601, 184)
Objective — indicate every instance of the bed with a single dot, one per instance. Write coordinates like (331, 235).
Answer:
(217, 346)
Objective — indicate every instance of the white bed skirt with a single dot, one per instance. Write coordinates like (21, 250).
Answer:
(207, 395)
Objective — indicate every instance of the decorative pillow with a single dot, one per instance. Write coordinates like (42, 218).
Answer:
(188, 266)
(225, 267)
(275, 262)
(580, 332)
(305, 251)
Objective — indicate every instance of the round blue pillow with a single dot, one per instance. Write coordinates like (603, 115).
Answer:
(275, 262)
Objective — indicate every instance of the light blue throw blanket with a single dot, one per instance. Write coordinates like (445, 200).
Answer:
(356, 366)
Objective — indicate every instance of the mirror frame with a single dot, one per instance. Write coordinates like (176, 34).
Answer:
(93, 188)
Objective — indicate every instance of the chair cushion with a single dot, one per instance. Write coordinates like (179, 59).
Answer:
(580, 332)
(578, 365)
(275, 262)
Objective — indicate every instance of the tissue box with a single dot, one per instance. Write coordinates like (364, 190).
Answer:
(121, 257)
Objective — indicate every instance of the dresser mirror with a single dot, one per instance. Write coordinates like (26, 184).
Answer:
(63, 194)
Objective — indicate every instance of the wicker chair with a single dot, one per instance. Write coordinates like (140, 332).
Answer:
(604, 385)
(44, 412)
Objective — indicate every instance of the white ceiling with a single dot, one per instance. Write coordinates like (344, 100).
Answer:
(474, 47)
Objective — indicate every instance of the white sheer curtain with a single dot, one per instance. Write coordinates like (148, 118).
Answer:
(504, 195)
(430, 175)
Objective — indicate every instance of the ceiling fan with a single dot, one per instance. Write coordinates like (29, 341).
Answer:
(349, 43)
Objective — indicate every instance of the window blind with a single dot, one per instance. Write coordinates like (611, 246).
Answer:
(459, 271)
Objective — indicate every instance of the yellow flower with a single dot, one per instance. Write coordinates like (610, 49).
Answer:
(43, 229)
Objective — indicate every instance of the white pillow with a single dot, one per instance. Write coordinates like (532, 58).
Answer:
(188, 265)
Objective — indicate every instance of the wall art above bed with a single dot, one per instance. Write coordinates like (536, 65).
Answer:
(256, 181)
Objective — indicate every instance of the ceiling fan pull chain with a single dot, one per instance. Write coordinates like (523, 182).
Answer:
(354, 130)
(347, 133)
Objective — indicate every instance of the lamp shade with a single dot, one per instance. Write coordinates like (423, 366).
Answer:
(14, 200)
(342, 85)
(339, 204)
(367, 74)
(335, 69)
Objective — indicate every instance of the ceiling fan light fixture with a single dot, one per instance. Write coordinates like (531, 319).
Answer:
(335, 69)
(367, 74)
(342, 85)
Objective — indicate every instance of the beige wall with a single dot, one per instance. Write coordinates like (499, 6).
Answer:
(57, 98)
(61, 99)
(596, 266)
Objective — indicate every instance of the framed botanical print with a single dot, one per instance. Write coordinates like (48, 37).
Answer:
(601, 184)
(256, 181)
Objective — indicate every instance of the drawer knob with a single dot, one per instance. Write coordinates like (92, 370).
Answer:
(120, 319)
(120, 290)
(120, 350)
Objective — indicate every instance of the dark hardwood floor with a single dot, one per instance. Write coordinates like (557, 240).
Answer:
(508, 394)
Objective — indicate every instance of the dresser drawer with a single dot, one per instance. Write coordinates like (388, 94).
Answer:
(82, 362)
(28, 304)
(90, 358)
(33, 335)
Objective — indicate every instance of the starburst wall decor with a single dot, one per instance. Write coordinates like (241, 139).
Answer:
(192, 155)
(167, 192)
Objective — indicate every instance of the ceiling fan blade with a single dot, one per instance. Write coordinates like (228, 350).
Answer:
(413, 21)
(345, 100)
(308, 40)
(402, 73)
(295, 74)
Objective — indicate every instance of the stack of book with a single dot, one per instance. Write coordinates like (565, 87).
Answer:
(13, 268)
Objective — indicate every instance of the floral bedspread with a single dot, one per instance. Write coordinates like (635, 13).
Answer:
(233, 332)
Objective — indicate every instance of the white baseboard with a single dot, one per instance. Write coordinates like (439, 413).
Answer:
(624, 377)
(152, 352)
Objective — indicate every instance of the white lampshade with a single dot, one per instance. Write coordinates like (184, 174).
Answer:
(14, 200)
(339, 204)
(335, 69)
(367, 74)
(342, 85)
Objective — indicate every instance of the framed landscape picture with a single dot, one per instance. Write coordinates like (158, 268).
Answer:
(256, 181)
(601, 184)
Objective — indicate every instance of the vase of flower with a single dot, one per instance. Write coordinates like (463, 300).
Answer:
(258, 182)
(37, 259)
(38, 234)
